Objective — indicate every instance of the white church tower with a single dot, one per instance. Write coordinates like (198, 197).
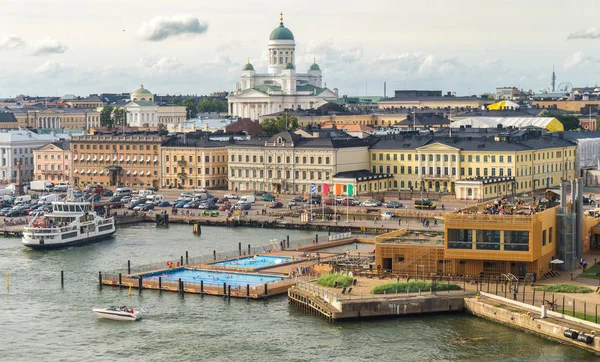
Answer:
(282, 48)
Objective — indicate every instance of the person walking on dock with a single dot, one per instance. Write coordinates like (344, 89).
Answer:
(515, 291)
(399, 221)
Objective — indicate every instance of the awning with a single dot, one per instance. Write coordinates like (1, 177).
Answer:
(121, 158)
(95, 172)
(75, 171)
(134, 173)
(101, 172)
(503, 105)
(95, 158)
(128, 173)
(128, 159)
(148, 173)
(114, 158)
(101, 158)
(89, 171)
(134, 158)
(89, 157)
(148, 159)
(155, 158)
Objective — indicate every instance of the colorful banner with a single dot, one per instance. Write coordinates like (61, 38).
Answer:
(313, 189)
(338, 189)
(325, 189)
(350, 190)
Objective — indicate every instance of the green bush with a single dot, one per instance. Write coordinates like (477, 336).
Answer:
(413, 286)
(329, 280)
(564, 288)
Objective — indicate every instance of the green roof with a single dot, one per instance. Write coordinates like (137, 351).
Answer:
(264, 88)
(248, 66)
(314, 66)
(144, 103)
(142, 90)
(281, 33)
(289, 65)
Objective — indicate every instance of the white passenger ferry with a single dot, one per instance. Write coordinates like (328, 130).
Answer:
(69, 223)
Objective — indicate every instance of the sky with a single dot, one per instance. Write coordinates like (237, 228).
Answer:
(58, 47)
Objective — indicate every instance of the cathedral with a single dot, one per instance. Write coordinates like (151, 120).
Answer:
(281, 88)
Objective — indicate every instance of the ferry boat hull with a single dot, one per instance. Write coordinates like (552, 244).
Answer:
(36, 245)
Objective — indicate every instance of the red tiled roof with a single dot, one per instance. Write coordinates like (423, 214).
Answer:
(245, 125)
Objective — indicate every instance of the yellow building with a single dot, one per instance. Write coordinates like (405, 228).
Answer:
(91, 102)
(437, 162)
(132, 160)
(192, 161)
(52, 162)
(431, 99)
(570, 106)
(8, 121)
(56, 118)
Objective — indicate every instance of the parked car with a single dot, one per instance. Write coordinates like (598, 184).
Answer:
(191, 205)
(107, 193)
(133, 204)
(292, 203)
(244, 206)
(259, 193)
(230, 196)
(298, 199)
(330, 202)
(276, 205)
(393, 204)
(425, 204)
(225, 207)
(349, 202)
(180, 204)
(371, 203)
(314, 201)
(115, 199)
(268, 197)
(164, 204)
(125, 199)
(147, 207)
(212, 213)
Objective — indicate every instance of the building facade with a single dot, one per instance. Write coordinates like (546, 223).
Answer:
(142, 111)
(431, 99)
(287, 162)
(56, 118)
(132, 161)
(16, 148)
(52, 162)
(281, 87)
(194, 161)
(436, 162)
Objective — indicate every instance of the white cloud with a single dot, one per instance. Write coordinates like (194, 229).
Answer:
(591, 33)
(160, 28)
(48, 46)
(10, 42)
(50, 67)
(161, 65)
(579, 59)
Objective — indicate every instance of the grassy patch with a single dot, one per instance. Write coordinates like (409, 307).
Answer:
(413, 286)
(329, 280)
(563, 288)
(590, 317)
(590, 273)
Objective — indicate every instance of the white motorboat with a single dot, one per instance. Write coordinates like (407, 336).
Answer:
(71, 222)
(387, 215)
(118, 313)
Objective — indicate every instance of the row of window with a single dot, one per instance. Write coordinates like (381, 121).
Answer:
(51, 167)
(298, 175)
(207, 183)
(207, 170)
(114, 147)
(58, 157)
(190, 158)
(438, 157)
(305, 159)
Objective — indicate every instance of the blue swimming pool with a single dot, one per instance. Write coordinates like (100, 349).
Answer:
(212, 277)
(258, 261)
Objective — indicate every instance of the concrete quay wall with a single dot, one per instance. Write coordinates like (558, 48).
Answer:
(529, 318)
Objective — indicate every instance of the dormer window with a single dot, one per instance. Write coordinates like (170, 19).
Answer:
(280, 140)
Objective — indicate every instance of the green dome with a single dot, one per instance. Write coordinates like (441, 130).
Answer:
(289, 65)
(142, 90)
(248, 66)
(281, 33)
(315, 66)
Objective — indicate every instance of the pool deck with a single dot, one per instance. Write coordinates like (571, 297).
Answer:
(305, 263)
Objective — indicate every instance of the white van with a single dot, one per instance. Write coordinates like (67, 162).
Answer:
(22, 199)
(123, 191)
(247, 199)
(47, 199)
(145, 193)
(154, 199)
(61, 187)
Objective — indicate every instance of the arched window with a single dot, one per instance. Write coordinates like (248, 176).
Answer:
(401, 184)
(410, 184)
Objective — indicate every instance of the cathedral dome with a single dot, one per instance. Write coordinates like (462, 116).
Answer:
(289, 65)
(314, 66)
(142, 90)
(248, 66)
(281, 32)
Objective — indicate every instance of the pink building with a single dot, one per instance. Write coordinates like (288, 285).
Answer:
(52, 162)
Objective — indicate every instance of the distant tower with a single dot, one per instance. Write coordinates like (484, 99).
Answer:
(553, 80)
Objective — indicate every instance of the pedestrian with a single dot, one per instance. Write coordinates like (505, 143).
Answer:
(515, 291)
(443, 208)
(399, 221)
(375, 220)
(435, 222)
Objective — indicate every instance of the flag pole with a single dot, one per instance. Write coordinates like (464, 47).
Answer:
(334, 203)
(323, 204)
(347, 201)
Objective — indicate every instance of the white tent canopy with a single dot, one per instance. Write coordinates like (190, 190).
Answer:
(493, 122)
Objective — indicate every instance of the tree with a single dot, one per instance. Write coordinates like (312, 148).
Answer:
(176, 101)
(488, 96)
(106, 116)
(191, 107)
(598, 123)
(119, 116)
(280, 123)
(568, 121)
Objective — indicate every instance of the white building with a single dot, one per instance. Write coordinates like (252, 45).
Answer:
(281, 87)
(17, 146)
(143, 112)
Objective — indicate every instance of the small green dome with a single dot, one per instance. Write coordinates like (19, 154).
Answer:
(281, 33)
(248, 66)
(142, 90)
(289, 65)
(315, 66)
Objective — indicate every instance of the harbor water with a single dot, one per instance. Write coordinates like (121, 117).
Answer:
(40, 321)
